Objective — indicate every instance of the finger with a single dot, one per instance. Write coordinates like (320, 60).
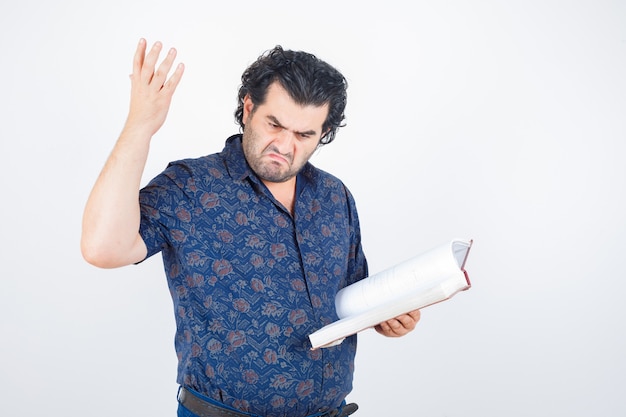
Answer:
(384, 325)
(407, 321)
(383, 329)
(410, 318)
(397, 323)
(416, 314)
(172, 83)
(392, 327)
(139, 57)
(396, 328)
(161, 73)
(147, 70)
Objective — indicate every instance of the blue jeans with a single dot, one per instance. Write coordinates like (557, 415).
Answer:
(183, 412)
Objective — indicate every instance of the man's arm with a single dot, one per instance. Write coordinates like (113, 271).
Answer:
(110, 233)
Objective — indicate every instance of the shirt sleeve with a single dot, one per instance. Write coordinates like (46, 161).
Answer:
(164, 205)
(357, 264)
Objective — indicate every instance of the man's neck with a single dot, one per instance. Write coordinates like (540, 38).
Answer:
(284, 192)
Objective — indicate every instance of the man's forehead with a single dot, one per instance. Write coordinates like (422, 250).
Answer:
(281, 109)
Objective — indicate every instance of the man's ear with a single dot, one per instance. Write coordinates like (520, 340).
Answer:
(248, 107)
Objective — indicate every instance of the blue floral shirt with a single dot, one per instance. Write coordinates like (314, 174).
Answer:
(250, 282)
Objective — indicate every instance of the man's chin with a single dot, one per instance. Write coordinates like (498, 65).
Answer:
(275, 179)
(273, 173)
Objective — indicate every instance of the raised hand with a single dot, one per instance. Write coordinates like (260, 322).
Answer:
(151, 90)
(110, 236)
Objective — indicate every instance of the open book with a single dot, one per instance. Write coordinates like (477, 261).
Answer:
(431, 277)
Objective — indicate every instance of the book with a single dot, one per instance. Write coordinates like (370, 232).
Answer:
(428, 278)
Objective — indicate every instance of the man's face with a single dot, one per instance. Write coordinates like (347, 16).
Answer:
(279, 135)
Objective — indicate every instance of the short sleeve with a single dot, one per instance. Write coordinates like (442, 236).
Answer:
(162, 203)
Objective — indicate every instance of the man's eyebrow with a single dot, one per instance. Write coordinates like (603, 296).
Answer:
(275, 121)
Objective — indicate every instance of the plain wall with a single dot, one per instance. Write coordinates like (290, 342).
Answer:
(501, 121)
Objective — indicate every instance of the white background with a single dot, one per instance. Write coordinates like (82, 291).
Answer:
(501, 121)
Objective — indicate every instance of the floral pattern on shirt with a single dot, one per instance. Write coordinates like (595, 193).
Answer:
(250, 282)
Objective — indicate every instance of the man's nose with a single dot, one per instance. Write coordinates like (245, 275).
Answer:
(284, 141)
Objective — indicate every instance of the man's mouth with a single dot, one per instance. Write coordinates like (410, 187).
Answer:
(278, 157)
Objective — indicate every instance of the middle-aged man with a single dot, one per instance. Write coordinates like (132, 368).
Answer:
(255, 240)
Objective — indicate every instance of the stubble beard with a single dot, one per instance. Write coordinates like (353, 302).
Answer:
(267, 170)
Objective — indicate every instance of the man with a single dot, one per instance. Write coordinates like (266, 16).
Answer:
(255, 241)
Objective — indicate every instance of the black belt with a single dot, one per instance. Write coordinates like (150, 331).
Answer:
(203, 408)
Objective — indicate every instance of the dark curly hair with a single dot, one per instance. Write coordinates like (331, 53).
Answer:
(307, 79)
